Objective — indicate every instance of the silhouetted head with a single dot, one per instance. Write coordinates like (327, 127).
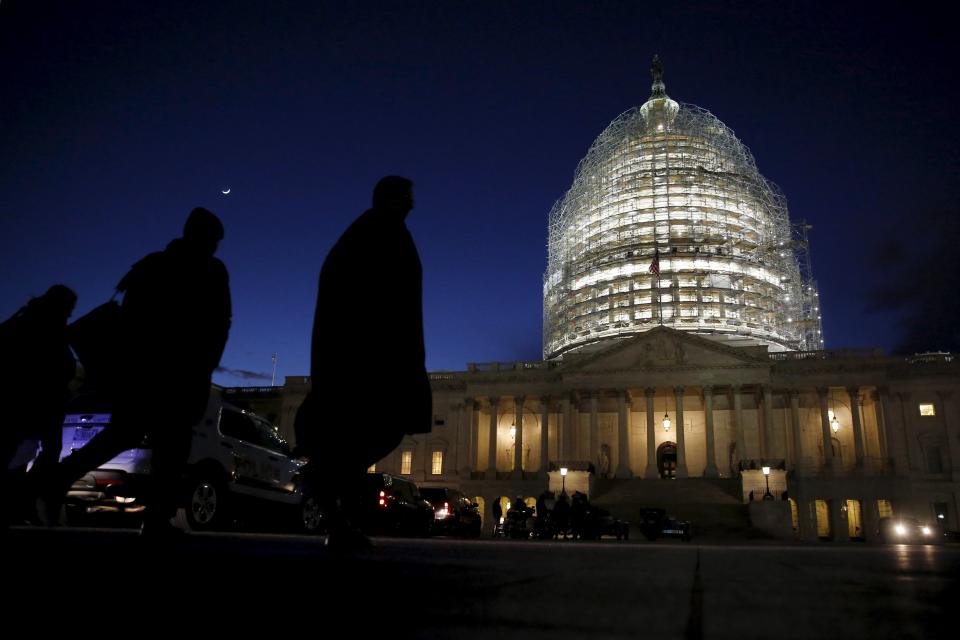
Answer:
(393, 194)
(203, 231)
(58, 302)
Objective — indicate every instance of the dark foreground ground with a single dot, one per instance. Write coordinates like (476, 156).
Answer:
(108, 583)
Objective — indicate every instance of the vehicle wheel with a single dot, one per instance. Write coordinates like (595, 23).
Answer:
(206, 504)
(312, 519)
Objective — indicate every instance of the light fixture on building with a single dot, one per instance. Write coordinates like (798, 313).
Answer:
(513, 431)
(666, 421)
(834, 423)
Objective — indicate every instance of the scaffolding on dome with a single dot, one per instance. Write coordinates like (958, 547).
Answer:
(670, 177)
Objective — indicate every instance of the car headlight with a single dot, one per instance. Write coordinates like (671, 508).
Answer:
(900, 529)
(926, 531)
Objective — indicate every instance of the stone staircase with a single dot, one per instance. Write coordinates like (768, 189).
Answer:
(712, 505)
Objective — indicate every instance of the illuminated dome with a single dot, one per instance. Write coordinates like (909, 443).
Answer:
(670, 179)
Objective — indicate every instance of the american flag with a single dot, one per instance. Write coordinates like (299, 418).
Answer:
(655, 265)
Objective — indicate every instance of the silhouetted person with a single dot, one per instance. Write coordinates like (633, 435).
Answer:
(369, 317)
(36, 368)
(497, 514)
(578, 514)
(175, 318)
(561, 515)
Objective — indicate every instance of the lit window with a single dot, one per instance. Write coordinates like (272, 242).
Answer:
(927, 410)
(437, 466)
(372, 468)
(406, 463)
(884, 509)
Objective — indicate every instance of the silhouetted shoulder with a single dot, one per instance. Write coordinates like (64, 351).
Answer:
(148, 264)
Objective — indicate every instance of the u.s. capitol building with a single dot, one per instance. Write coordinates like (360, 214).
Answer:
(683, 353)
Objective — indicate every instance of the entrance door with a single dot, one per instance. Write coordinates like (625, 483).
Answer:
(667, 460)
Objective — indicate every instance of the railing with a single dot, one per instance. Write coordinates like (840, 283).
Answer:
(246, 390)
(927, 358)
(832, 354)
(520, 365)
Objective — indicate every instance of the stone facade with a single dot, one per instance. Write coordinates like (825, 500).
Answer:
(732, 411)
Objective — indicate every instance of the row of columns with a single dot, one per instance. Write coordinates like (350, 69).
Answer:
(768, 439)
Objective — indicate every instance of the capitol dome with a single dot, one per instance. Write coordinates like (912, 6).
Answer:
(668, 182)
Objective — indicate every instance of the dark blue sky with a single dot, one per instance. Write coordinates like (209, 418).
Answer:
(118, 117)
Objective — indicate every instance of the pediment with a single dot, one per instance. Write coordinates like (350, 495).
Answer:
(665, 348)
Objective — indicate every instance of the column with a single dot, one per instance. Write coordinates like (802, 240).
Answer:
(880, 423)
(738, 415)
(854, 393)
(518, 440)
(825, 430)
(906, 418)
(806, 510)
(838, 519)
(474, 414)
(651, 472)
(768, 445)
(797, 431)
(564, 429)
(711, 471)
(463, 440)
(544, 435)
(681, 447)
(594, 431)
(623, 440)
(942, 398)
(894, 439)
(492, 453)
(871, 517)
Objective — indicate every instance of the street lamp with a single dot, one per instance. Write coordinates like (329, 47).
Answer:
(563, 479)
(766, 476)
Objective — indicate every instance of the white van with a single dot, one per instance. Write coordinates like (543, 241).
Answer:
(237, 463)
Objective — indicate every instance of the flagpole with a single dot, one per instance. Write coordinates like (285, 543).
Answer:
(659, 297)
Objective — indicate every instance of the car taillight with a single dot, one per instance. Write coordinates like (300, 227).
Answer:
(108, 481)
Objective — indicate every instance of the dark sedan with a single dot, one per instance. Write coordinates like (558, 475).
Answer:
(453, 513)
(393, 506)
(655, 523)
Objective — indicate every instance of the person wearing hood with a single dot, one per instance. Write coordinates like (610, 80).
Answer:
(175, 318)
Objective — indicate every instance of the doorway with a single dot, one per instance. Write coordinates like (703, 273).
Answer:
(667, 460)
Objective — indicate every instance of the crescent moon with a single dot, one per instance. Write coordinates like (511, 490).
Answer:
(226, 192)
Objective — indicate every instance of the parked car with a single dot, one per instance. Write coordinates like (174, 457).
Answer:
(599, 522)
(902, 530)
(655, 523)
(388, 505)
(453, 513)
(238, 466)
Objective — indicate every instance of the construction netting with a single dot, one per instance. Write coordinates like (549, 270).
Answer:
(670, 178)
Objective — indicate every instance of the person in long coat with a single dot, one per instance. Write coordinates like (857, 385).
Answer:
(368, 322)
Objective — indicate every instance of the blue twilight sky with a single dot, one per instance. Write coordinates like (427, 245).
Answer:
(116, 118)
